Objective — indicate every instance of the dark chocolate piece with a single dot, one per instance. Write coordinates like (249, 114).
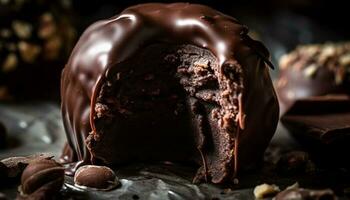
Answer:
(96, 177)
(170, 82)
(322, 124)
(35, 40)
(306, 194)
(43, 178)
(314, 70)
(14, 166)
(325, 118)
(3, 136)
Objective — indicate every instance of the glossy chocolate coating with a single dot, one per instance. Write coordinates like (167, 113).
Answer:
(107, 43)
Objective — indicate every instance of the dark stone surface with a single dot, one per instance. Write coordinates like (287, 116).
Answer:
(41, 125)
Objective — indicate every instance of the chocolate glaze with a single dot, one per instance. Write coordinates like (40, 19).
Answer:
(107, 43)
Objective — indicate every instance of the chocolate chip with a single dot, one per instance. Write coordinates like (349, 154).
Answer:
(98, 177)
(42, 178)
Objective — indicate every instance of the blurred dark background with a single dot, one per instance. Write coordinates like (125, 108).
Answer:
(332, 14)
(280, 24)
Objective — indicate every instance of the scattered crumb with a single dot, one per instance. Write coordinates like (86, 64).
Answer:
(265, 190)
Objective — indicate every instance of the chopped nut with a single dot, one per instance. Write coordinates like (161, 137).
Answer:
(202, 64)
(265, 190)
(340, 75)
(310, 70)
(47, 26)
(282, 82)
(327, 52)
(10, 63)
(28, 52)
(290, 94)
(102, 110)
(312, 50)
(345, 59)
(52, 48)
(286, 60)
(22, 29)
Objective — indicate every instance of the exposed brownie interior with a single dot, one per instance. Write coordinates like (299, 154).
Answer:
(168, 103)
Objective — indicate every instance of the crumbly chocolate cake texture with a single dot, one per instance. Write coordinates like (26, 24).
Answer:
(169, 82)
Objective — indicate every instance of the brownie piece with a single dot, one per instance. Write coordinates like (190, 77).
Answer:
(169, 82)
(314, 70)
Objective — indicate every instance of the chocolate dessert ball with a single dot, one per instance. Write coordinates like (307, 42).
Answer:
(169, 82)
(35, 40)
(314, 70)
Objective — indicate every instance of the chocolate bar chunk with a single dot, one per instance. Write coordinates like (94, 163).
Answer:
(322, 124)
